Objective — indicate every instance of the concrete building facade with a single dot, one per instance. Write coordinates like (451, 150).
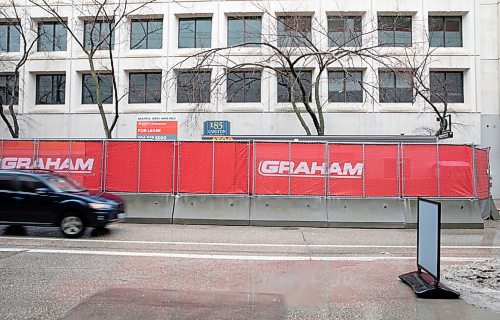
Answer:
(476, 117)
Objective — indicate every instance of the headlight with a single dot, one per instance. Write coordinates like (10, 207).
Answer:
(100, 206)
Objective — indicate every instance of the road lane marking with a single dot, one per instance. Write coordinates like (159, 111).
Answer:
(223, 244)
(226, 257)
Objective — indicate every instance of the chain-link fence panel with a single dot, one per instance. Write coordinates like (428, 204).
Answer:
(271, 165)
(381, 170)
(122, 166)
(345, 168)
(456, 171)
(419, 170)
(156, 167)
(231, 168)
(195, 167)
(18, 154)
(482, 179)
(308, 169)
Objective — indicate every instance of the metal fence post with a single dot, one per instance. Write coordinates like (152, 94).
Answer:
(325, 164)
(1, 152)
(254, 160)
(178, 167)
(139, 167)
(36, 146)
(398, 170)
(104, 164)
(213, 167)
(289, 168)
(474, 174)
(248, 168)
(402, 170)
(70, 149)
(172, 190)
(438, 172)
(364, 170)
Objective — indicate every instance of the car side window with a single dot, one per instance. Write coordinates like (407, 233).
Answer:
(29, 184)
(7, 183)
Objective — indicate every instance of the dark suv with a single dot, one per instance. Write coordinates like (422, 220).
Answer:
(44, 198)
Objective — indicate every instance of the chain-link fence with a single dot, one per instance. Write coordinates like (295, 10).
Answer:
(260, 168)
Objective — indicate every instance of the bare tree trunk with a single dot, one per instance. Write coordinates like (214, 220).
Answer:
(95, 78)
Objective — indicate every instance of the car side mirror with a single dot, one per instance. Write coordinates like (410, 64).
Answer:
(42, 190)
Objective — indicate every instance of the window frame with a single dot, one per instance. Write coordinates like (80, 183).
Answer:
(145, 88)
(146, 38)
(52, 36)
(394, 31)
(286, 39)
(446, 73)
(245, 87)
(346, 33)
(443, 21)
(9, 25)
(103, 45)
(245, 19)
(6, 102)
(195, 20)
(293, 90)
(37, 99)
(104, 101)
(394, 88)
(208, 97)
(346, 76)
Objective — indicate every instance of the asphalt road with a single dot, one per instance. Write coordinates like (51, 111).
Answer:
(218, 272)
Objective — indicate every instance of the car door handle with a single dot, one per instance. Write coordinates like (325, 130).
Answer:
(18, 198)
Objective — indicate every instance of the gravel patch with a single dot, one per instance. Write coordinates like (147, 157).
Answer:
(478, 283)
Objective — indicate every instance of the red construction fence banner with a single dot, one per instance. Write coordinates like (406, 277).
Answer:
(260, 168)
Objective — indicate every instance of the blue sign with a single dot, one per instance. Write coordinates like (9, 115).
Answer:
(217, 128)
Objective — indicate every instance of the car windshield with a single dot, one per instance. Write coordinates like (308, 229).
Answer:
(64, 184)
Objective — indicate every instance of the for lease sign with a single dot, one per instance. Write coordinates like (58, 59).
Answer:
(163, 127)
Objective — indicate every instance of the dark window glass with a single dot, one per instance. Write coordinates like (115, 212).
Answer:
(394, 31)
(345, 86)
(241, 30)
(10, 39)
(193, 87)
(294, 31)
(447, 87)
(243, 86)
(195, 33)
(344, 31)
(52, 36)
(99, 35)
(89, 95)
(445, 31)
(50, 89)
(146, 34)
(144, 87)
(285, 87)
(395, 86)
(8, 85)
(7, 183)
(29, 184)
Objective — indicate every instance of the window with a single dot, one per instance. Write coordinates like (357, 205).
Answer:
(445, 31)
(29, 184)
(144, 87)
(395, 86)
(195, 33)
(8, 85)
(193, 87)
(345, 86)
(344, 31)
(10, 39)
(146, 34)
(447, 87)
(285, 87)
(99, 35)
(294, 31)
(243, 86)
(241, 30)
(394, 31)
(7, 183)
(50, 89)
(52, 36)
(89, 91)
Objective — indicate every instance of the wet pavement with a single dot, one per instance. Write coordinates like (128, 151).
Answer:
(215, 272)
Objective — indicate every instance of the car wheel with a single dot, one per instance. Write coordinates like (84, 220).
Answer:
(72, 226)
